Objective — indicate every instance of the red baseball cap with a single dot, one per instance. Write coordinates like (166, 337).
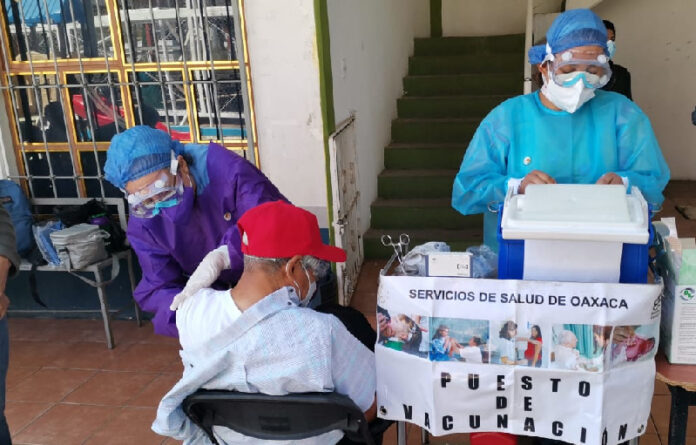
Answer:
(281, 230)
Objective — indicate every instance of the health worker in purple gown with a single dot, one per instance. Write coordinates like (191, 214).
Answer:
(184, 202)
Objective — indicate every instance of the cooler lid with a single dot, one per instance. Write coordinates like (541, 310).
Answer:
(585, 212)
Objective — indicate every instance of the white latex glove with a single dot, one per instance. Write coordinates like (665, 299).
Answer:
(205, 274)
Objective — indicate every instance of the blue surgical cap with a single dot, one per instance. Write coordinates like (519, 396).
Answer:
(577, 27)
(137, 152)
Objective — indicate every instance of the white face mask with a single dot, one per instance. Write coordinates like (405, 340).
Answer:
(567, 98)
(304, 302)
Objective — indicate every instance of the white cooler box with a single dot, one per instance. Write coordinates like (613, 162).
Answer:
(575, 232)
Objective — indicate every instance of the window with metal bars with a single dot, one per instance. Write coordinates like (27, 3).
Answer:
(77, 72)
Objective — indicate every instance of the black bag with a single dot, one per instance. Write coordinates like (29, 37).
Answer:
(94, 212)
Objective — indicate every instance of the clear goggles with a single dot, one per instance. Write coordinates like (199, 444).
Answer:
(166, 190)
(570, 68)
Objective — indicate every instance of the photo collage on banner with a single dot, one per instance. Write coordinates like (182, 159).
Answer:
(577, 347)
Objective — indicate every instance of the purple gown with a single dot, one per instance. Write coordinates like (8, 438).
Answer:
(169, 253)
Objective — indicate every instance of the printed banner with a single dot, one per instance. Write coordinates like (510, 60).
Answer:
(567, 361)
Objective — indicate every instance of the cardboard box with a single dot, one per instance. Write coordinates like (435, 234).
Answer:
(449, 264)
(678, 323)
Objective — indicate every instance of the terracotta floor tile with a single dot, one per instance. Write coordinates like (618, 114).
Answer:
(127, 331)
(651, 429)
(33, 353)
(85, 355)
(691, 424)
(153, 393)
(48, 385)
(66, 425)
(17, 374)
(33, 329)
(110, 388)
(21, 414)
(145, 357)
(179, 442)
(660, 414)
(650, 439)
(127, 427)
(175, 367)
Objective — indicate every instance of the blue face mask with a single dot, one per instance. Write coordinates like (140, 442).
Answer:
(164, 205)
(180, 212)
(611, 46)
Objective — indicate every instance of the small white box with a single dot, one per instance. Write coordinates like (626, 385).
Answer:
(449, 264)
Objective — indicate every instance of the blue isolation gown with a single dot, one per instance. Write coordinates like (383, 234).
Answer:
(607, 134)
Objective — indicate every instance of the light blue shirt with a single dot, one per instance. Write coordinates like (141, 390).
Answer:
(607, 134)
(274, 347)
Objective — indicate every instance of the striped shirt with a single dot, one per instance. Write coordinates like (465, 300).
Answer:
(274, 347)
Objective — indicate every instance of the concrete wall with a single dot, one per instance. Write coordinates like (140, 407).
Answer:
(370, 44)
(656, 41)
(284, 70)
(483, 17)
(8, 162)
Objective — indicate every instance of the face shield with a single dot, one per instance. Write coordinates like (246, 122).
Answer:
(166, 190)
(571, 67)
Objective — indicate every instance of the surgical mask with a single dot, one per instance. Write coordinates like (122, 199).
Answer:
(567, 98)
(178, 210)
(303, 302)
(611, 46)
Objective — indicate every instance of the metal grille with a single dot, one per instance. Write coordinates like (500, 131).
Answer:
(77, 72)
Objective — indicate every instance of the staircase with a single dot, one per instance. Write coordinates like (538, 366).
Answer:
(452, 83)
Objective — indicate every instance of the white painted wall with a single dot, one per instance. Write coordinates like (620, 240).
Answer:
(656, 41)
(8, 162)
(483, 17)
(577, 4)
(370, 45)
(285, 79)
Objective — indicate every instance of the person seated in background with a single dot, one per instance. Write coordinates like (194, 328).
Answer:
(261, 337)
(620, 81)
(185, 201)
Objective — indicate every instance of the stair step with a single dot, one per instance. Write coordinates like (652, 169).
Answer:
(423, 156)
(448, 106)
(462, 45)
(434, 130)
(420, 214)
(482, 84)
(458, 240)
(468, 63)
(410, 184)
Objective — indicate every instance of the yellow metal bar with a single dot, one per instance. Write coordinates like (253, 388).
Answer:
(199, 65)
(192, 108)
(72, 132)
(250, 90)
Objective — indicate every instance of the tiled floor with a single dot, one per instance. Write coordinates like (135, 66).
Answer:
(65, 387)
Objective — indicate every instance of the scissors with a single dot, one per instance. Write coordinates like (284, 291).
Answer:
(400, 247)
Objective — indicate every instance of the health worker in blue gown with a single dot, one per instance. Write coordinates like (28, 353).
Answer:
(569, 132)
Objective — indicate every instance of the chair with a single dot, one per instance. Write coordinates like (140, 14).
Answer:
(288, 417)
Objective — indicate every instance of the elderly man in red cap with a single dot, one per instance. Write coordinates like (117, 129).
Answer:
(261, 337)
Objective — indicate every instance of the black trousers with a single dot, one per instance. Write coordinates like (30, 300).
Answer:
(357, 324)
